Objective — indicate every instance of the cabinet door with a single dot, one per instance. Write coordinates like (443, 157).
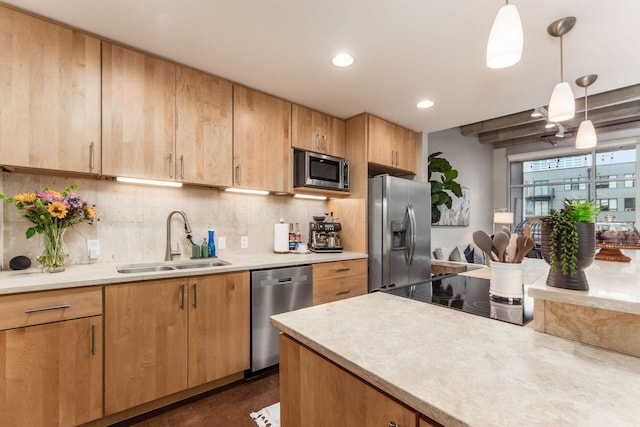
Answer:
(261, 141)
(406, 143)
(204, 144)
(51, 375)
(314, 391)
(337, 138)
(382, 149)
(138, 114)
(305, 133)
(50, 99)
(145, 342)
(318, 132)
(218, 326)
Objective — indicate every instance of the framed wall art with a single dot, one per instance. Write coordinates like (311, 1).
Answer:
(458, 215)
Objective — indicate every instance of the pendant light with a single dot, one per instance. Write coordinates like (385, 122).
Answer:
(562, 105)
(586, 137)
(504, 47)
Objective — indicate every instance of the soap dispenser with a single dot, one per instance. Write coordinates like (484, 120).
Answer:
(212, 244)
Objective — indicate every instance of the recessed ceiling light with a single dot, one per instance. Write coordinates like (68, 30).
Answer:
(342, 60)
(425, 104)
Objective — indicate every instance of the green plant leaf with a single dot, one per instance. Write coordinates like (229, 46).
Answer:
(436, 187)
(455, 188)
(31, 231)
(435, 214)
(450, 175)
(440, 165)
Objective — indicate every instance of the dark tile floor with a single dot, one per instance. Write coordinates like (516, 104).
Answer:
(228, 407)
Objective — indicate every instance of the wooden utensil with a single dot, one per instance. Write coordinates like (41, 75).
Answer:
(527, 231)
(484, 242)
(501, 241)
(526, 245)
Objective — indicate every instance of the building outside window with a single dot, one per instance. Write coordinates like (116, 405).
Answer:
(608, 177)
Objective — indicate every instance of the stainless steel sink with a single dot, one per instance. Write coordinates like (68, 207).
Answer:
(201, 264)
(143, 269)
(168, 266)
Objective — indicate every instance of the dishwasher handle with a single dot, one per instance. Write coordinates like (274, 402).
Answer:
(284, 280)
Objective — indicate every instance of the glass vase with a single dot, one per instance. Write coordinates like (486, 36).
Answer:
(53, 256)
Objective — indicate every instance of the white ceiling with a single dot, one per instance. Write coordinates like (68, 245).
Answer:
(405, 50)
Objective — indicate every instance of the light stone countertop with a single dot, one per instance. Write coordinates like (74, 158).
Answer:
(464, 370)
(612, 285)
(33, 279)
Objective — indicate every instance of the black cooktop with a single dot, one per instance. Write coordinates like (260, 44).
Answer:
(471, 295)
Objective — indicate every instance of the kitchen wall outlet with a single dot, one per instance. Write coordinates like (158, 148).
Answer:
(93, 247)
(244, 242)
(222, 242)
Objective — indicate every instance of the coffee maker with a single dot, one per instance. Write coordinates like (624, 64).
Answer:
(324, 235)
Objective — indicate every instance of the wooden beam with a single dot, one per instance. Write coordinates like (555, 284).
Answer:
(604, 99)
(629, 110)
(601, 129)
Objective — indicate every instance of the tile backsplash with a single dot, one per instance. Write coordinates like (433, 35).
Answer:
(133, 219)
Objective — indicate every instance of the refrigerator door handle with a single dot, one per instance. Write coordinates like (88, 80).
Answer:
(412, 219)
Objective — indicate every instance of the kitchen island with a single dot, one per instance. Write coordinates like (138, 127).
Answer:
(458, 369)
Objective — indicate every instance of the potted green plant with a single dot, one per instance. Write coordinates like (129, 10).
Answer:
(439, 195)
(568, 243)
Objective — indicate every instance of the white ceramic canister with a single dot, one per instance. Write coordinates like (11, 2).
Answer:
(506, 279)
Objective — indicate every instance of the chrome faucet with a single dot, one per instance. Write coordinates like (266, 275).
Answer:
(169, 253)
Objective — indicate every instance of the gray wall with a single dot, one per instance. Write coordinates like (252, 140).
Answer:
(474, 163)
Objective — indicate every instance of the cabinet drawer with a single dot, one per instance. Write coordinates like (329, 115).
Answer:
(330, 270)
(337, 289)
(51, 306)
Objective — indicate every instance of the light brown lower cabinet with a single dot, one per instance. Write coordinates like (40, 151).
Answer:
(314, 391)
(333, 281)
(165, 336)
(51, 372)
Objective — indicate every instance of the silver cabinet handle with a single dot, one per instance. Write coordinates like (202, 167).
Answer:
(182, 297)
(393, 424)
(92, 151)
(340, 270)
(195, 295)
(343, 292)
(93, 339)
(318, 141)
(238, 174)
(51, 307)
(170, 165)
(181, 166)
(324, 143)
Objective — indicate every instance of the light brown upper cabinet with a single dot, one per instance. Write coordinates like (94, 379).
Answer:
(261, 141)
(138, 114)
(50, 95)
(392, 145)
(315, 131)
(204, 140)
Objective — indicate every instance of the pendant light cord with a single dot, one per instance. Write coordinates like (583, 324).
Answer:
(561, 62)
(586, 104)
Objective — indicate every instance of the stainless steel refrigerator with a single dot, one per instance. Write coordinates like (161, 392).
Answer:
(399, 232)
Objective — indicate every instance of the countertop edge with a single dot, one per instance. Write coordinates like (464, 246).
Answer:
(82, 275)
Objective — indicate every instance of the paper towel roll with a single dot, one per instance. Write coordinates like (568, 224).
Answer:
(281, 238)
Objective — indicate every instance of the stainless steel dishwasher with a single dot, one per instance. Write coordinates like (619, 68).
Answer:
(275, 291)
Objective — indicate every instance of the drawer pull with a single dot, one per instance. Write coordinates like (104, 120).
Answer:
(195, 295)
(51, 307)
(343, 292)
(93, 339)
(342, 270)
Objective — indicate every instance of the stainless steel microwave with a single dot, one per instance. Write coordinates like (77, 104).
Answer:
(320, 171)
